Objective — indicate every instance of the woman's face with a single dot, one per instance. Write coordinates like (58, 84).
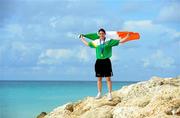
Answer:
(102, 35)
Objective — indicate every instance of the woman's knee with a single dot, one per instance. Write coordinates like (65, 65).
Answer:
(108, 79)
(99, 78)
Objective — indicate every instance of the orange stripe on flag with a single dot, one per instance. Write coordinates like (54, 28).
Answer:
(133, 36)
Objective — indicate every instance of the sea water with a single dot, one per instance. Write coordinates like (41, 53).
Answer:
(27, 99)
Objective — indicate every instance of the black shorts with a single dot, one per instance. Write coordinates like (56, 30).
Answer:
(103, 68)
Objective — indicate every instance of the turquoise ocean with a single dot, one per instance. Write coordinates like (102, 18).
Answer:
(27, 99)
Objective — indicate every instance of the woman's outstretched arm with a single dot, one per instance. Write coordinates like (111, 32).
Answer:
(123, 39)
(83, 40)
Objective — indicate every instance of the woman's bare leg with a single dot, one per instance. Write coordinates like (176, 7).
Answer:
(99, 84)
(109, 84)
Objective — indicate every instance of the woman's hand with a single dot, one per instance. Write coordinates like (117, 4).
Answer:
(123, 39)
(83, 39)
(81, 36)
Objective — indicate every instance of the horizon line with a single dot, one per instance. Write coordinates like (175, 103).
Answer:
(67, 80)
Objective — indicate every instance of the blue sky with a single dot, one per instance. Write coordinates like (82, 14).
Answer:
(38, 38)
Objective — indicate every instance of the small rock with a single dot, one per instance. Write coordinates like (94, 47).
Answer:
(42, 114)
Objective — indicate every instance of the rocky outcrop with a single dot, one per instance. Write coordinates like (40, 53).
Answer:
(156, 98)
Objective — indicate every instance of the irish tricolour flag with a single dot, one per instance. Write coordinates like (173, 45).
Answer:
(114, 35)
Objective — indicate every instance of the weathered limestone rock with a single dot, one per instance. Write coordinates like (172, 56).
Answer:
(156, 98)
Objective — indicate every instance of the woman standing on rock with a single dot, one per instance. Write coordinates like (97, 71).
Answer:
(103, 67)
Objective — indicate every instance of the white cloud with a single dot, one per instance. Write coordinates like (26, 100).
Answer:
(58, 53)
(64, 22)
(18, 51)
(83, 54)
(158, 60)
(72, 35)
(53, 21)
(115, 55)
(72, 21)
(54, 56)
(15, 30)
(131, 7)
(144, 26)
(170, 12)
(138, 24)
(57, 56)
(147, 26)
(72, 70)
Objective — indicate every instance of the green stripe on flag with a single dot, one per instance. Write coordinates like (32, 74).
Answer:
(92, 36)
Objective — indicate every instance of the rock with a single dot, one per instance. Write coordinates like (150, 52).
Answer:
(42, 115)
(156, 98)
(99, 112)
(61, 112)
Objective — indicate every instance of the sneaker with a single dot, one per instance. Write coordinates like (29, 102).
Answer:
(98, 95)
(109, 96)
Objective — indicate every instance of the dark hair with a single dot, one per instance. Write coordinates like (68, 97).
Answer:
(101, 30)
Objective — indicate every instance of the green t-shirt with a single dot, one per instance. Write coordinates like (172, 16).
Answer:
(103, 49)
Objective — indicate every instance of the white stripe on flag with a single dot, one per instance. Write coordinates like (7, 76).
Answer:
(112, 35)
